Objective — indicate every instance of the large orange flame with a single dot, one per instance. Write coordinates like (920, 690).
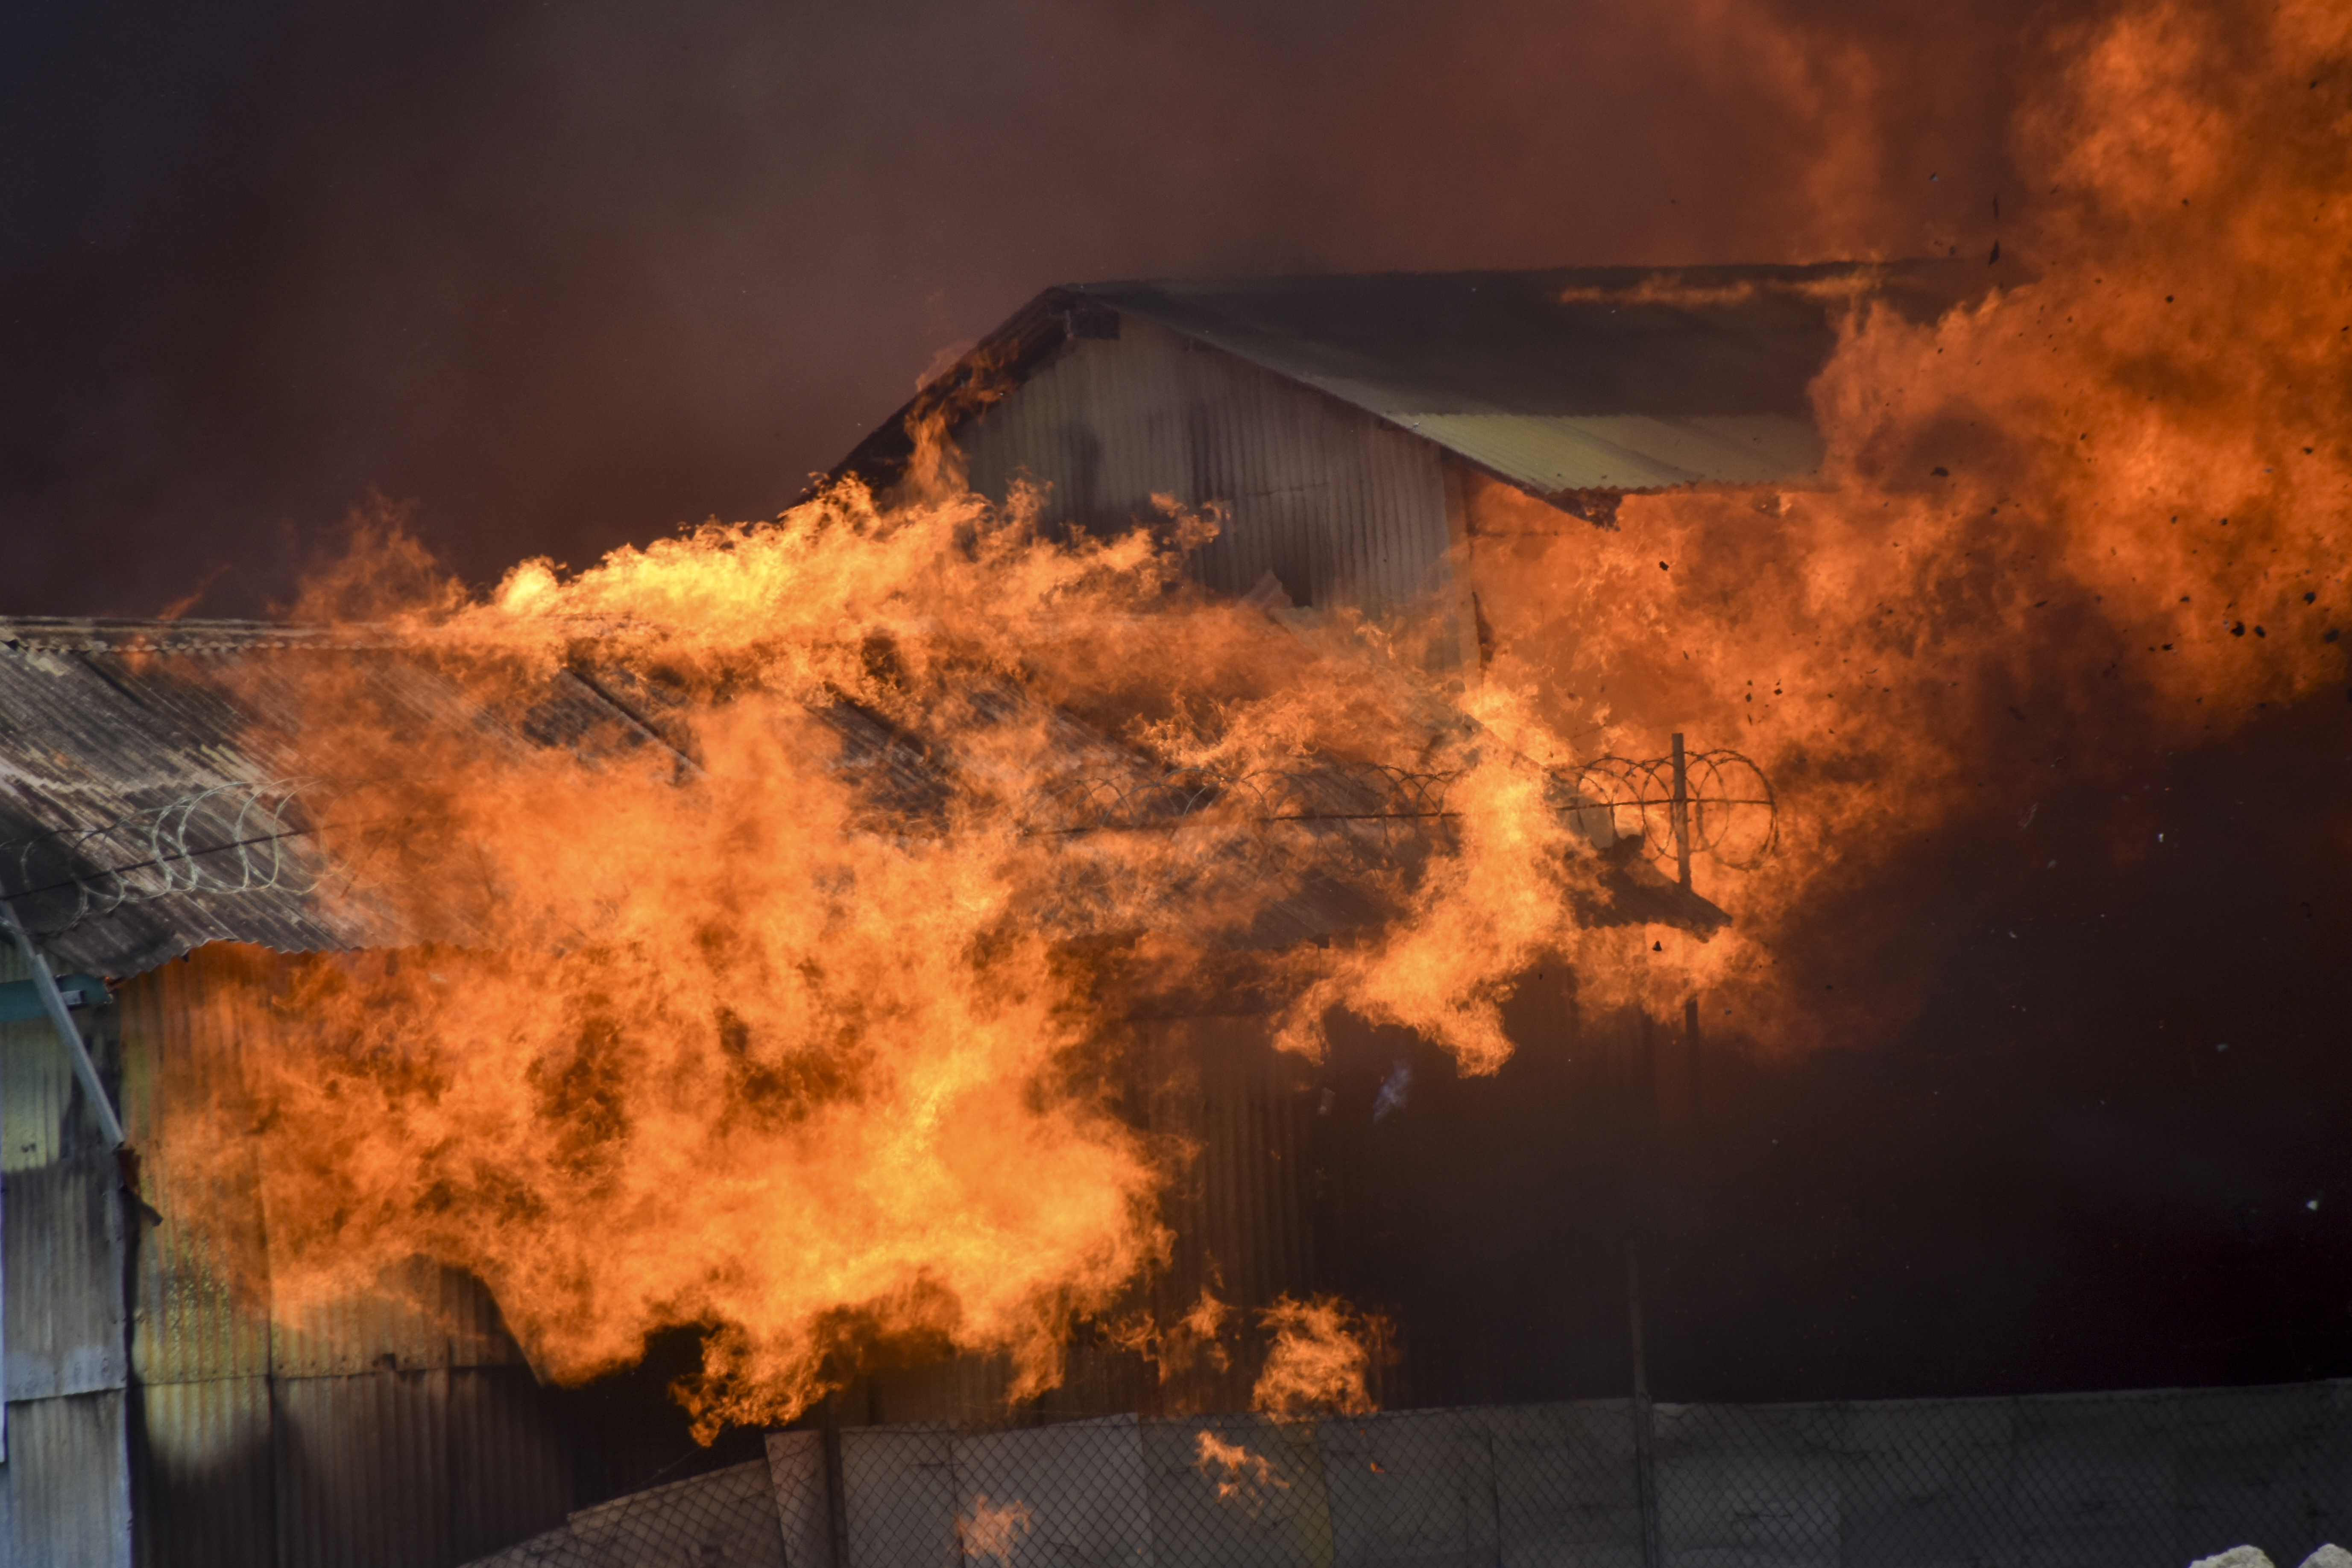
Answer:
(2106, 504)
(717, 1029)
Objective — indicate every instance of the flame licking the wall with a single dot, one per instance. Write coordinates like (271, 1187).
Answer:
(790, 1011)
(800, 1021)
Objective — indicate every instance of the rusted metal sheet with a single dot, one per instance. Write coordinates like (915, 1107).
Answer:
(201, 1304)
(413, 1470)
(397, 1426)
(64, 1489)
(362, 1477)
(65, 1492)
(64, 1271)
(510, 1462)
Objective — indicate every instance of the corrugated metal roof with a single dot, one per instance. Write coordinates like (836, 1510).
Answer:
(1554, 380)
(150, 790)
(151, 802)
(1559, 381)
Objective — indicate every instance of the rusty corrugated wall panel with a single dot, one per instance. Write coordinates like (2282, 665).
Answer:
(65, 1492)
(1341, 507)
(510, 1464)
(202, 1303)
(363, 1471)
(65, 1488)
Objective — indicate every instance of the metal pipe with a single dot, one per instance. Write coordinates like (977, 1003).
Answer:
(53, 1001)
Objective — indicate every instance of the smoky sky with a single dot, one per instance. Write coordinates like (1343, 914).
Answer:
(558, 278)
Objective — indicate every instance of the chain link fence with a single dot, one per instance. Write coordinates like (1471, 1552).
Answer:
(2159, 1477)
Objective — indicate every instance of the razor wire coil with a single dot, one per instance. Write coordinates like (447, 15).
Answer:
(246, 838)
(228, 840)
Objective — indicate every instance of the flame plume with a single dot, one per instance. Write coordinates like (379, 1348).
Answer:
(770, 1013)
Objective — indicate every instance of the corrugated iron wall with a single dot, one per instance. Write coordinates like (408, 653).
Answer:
(65, 1495)
(398, 1427)
(1342, 507)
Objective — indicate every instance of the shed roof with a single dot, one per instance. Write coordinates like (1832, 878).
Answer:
(1559, 381)
(152, 795)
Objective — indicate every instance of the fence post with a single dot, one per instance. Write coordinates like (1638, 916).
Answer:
(1680, 815)
(836, 1488)
(1645, 1473)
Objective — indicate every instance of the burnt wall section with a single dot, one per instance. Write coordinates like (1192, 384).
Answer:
(1342, 507)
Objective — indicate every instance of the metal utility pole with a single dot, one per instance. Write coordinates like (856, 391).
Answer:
(1645, 1469)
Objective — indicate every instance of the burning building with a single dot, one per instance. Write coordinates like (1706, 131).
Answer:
(997, 944)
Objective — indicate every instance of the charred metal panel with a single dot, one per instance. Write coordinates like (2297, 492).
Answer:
(510, 1466)
(1599, 378)
(1341, 507)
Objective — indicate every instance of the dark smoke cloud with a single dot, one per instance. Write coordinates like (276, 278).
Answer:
(567, 276)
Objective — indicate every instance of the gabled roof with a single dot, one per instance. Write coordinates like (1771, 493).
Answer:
(1559, 382)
